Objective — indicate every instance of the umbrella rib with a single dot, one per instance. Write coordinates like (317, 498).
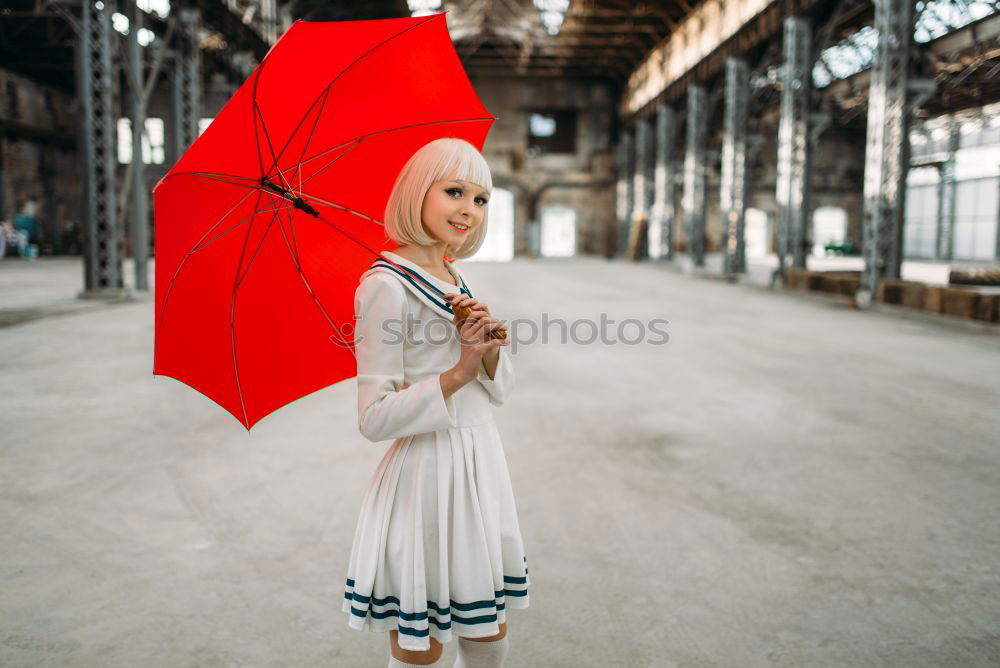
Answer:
(329, 87)
(295, 240)
(270, 146)
(352, 238)
(337, 227)
(357, 141)
(242, 222)
(361, 243)
(253, 185)
(256, 130)
(334, 205)
(305, 147)
(302, 275)
(347, 234)
(293, 253)
(173, 279)
(212, 174)
(256, 83)
(232, 307)
(232, 320)
(324, 167)
(263, 237)
(360, 138)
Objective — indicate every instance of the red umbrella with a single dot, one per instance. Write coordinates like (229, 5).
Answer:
(265, 224)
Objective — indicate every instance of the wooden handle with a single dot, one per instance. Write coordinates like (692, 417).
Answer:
(464, 312)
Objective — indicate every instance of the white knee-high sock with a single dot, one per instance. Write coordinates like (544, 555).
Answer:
(472, 654)
(396, 663)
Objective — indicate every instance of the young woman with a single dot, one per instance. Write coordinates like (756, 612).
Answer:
(437, 552)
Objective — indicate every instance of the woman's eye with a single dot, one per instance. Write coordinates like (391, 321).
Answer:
(459, 191)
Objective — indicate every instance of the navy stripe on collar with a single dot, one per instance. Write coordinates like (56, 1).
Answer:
(443, 304)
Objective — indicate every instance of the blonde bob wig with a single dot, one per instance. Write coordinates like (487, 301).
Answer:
(439, 160)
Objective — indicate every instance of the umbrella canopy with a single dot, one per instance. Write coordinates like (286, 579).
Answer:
(265, 224)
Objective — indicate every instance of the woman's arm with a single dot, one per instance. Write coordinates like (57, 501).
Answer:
(452, 381)
(490, 360)
(386, 409)
(500, 383)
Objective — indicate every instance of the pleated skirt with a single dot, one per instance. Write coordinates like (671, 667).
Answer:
(438, 552)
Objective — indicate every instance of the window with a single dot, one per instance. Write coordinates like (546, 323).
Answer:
(755, 233)
(152, 141)
(558, 231)
(829, 225)
(920, 228)
(552, 132)
(976, 207)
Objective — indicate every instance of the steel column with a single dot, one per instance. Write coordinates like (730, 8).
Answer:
(187, 81)
(733, 186)
(3, 185)
(139, 217)
(625, 186)
(96, 77)
(694, 173)
(663, 215)
(887, 151)
(268, 21)
(641, 183)
(947, 185)
(793, 169)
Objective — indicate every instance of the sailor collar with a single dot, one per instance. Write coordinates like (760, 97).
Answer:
(427, 288)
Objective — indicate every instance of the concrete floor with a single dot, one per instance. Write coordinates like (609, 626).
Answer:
(786, 483)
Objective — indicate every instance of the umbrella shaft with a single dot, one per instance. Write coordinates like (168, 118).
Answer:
(297, 202)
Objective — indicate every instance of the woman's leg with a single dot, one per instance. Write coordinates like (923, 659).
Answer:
(487, 652)
(413, 657)
(499, 636)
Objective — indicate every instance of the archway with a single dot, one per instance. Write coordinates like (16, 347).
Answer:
(755, 233)
(558, 231)
(829, 225)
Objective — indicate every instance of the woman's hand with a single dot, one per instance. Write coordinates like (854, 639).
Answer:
(461, 302)
(474, 336)
(468, 302)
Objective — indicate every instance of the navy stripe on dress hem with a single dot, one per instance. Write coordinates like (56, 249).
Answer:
(506, 578)
(442, 625)
(433, 611)
(464, 607)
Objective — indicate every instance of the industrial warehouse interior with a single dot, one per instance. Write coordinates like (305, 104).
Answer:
(746, 254)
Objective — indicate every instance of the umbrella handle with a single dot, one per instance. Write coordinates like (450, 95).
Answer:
(464, 312)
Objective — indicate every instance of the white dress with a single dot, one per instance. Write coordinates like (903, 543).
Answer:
(437, 551)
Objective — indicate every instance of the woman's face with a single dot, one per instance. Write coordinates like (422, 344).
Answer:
(451, 205)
